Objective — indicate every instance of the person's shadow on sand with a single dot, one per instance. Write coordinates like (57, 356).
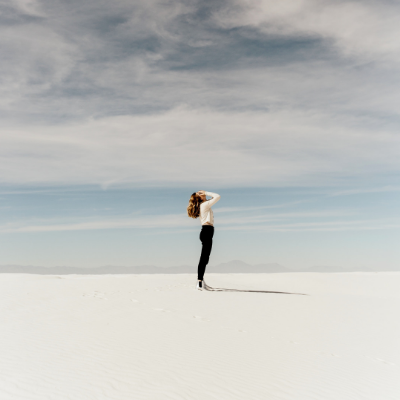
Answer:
(211, 289)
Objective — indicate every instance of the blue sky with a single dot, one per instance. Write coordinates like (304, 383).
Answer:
(113, 114)
(296, 227)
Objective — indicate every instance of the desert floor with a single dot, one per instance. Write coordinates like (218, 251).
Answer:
(155, 337)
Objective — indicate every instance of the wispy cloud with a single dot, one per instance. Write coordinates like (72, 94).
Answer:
(366, 29)
(143, 93)
(350, 192)
(373, 225)
(245, 209)
(280, 222)
(261, 218)
(278, 148)
(54, 225)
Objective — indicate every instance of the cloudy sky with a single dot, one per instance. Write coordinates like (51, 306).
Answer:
(113, 113)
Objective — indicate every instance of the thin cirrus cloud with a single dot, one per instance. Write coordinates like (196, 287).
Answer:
(182, 146)
(281, 222)
(351, 192)
(143, 93)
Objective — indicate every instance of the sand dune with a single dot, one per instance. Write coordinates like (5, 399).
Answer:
(155, 337)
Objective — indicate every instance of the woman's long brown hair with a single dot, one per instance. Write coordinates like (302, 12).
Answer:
(193, 209)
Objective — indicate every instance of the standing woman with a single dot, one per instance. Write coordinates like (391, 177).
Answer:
(199, 206)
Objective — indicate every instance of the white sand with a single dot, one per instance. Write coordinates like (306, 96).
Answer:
(156, 337)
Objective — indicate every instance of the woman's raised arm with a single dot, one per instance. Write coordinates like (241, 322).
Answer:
(215, 198)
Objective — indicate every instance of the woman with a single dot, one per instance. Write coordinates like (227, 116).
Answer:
(200, 207)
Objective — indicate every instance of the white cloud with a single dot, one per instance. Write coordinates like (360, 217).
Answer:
(279, 222)
(198, 146)
(364, 28)
(144, 93)
(365, 190)
(54, 225)
(28, 7)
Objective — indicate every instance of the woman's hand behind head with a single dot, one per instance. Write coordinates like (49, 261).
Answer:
(202, 195)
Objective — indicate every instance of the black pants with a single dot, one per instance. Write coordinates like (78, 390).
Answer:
(206, 235)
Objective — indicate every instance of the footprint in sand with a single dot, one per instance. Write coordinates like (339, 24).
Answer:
(96, 295)
(161, 310)
(135, 301)
(385, 362)
(381, 361)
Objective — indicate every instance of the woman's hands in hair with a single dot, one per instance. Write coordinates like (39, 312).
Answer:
(201, 192)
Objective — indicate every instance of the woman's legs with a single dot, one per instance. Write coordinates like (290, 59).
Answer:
(206, 235)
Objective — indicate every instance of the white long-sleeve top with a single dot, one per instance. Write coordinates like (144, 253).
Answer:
(206, 213)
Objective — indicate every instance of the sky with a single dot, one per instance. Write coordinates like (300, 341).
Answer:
(113, 113)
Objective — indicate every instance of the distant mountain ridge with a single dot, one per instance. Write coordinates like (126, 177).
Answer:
(231, 267)
(235, 266)
(239, 266)
(338, 269)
